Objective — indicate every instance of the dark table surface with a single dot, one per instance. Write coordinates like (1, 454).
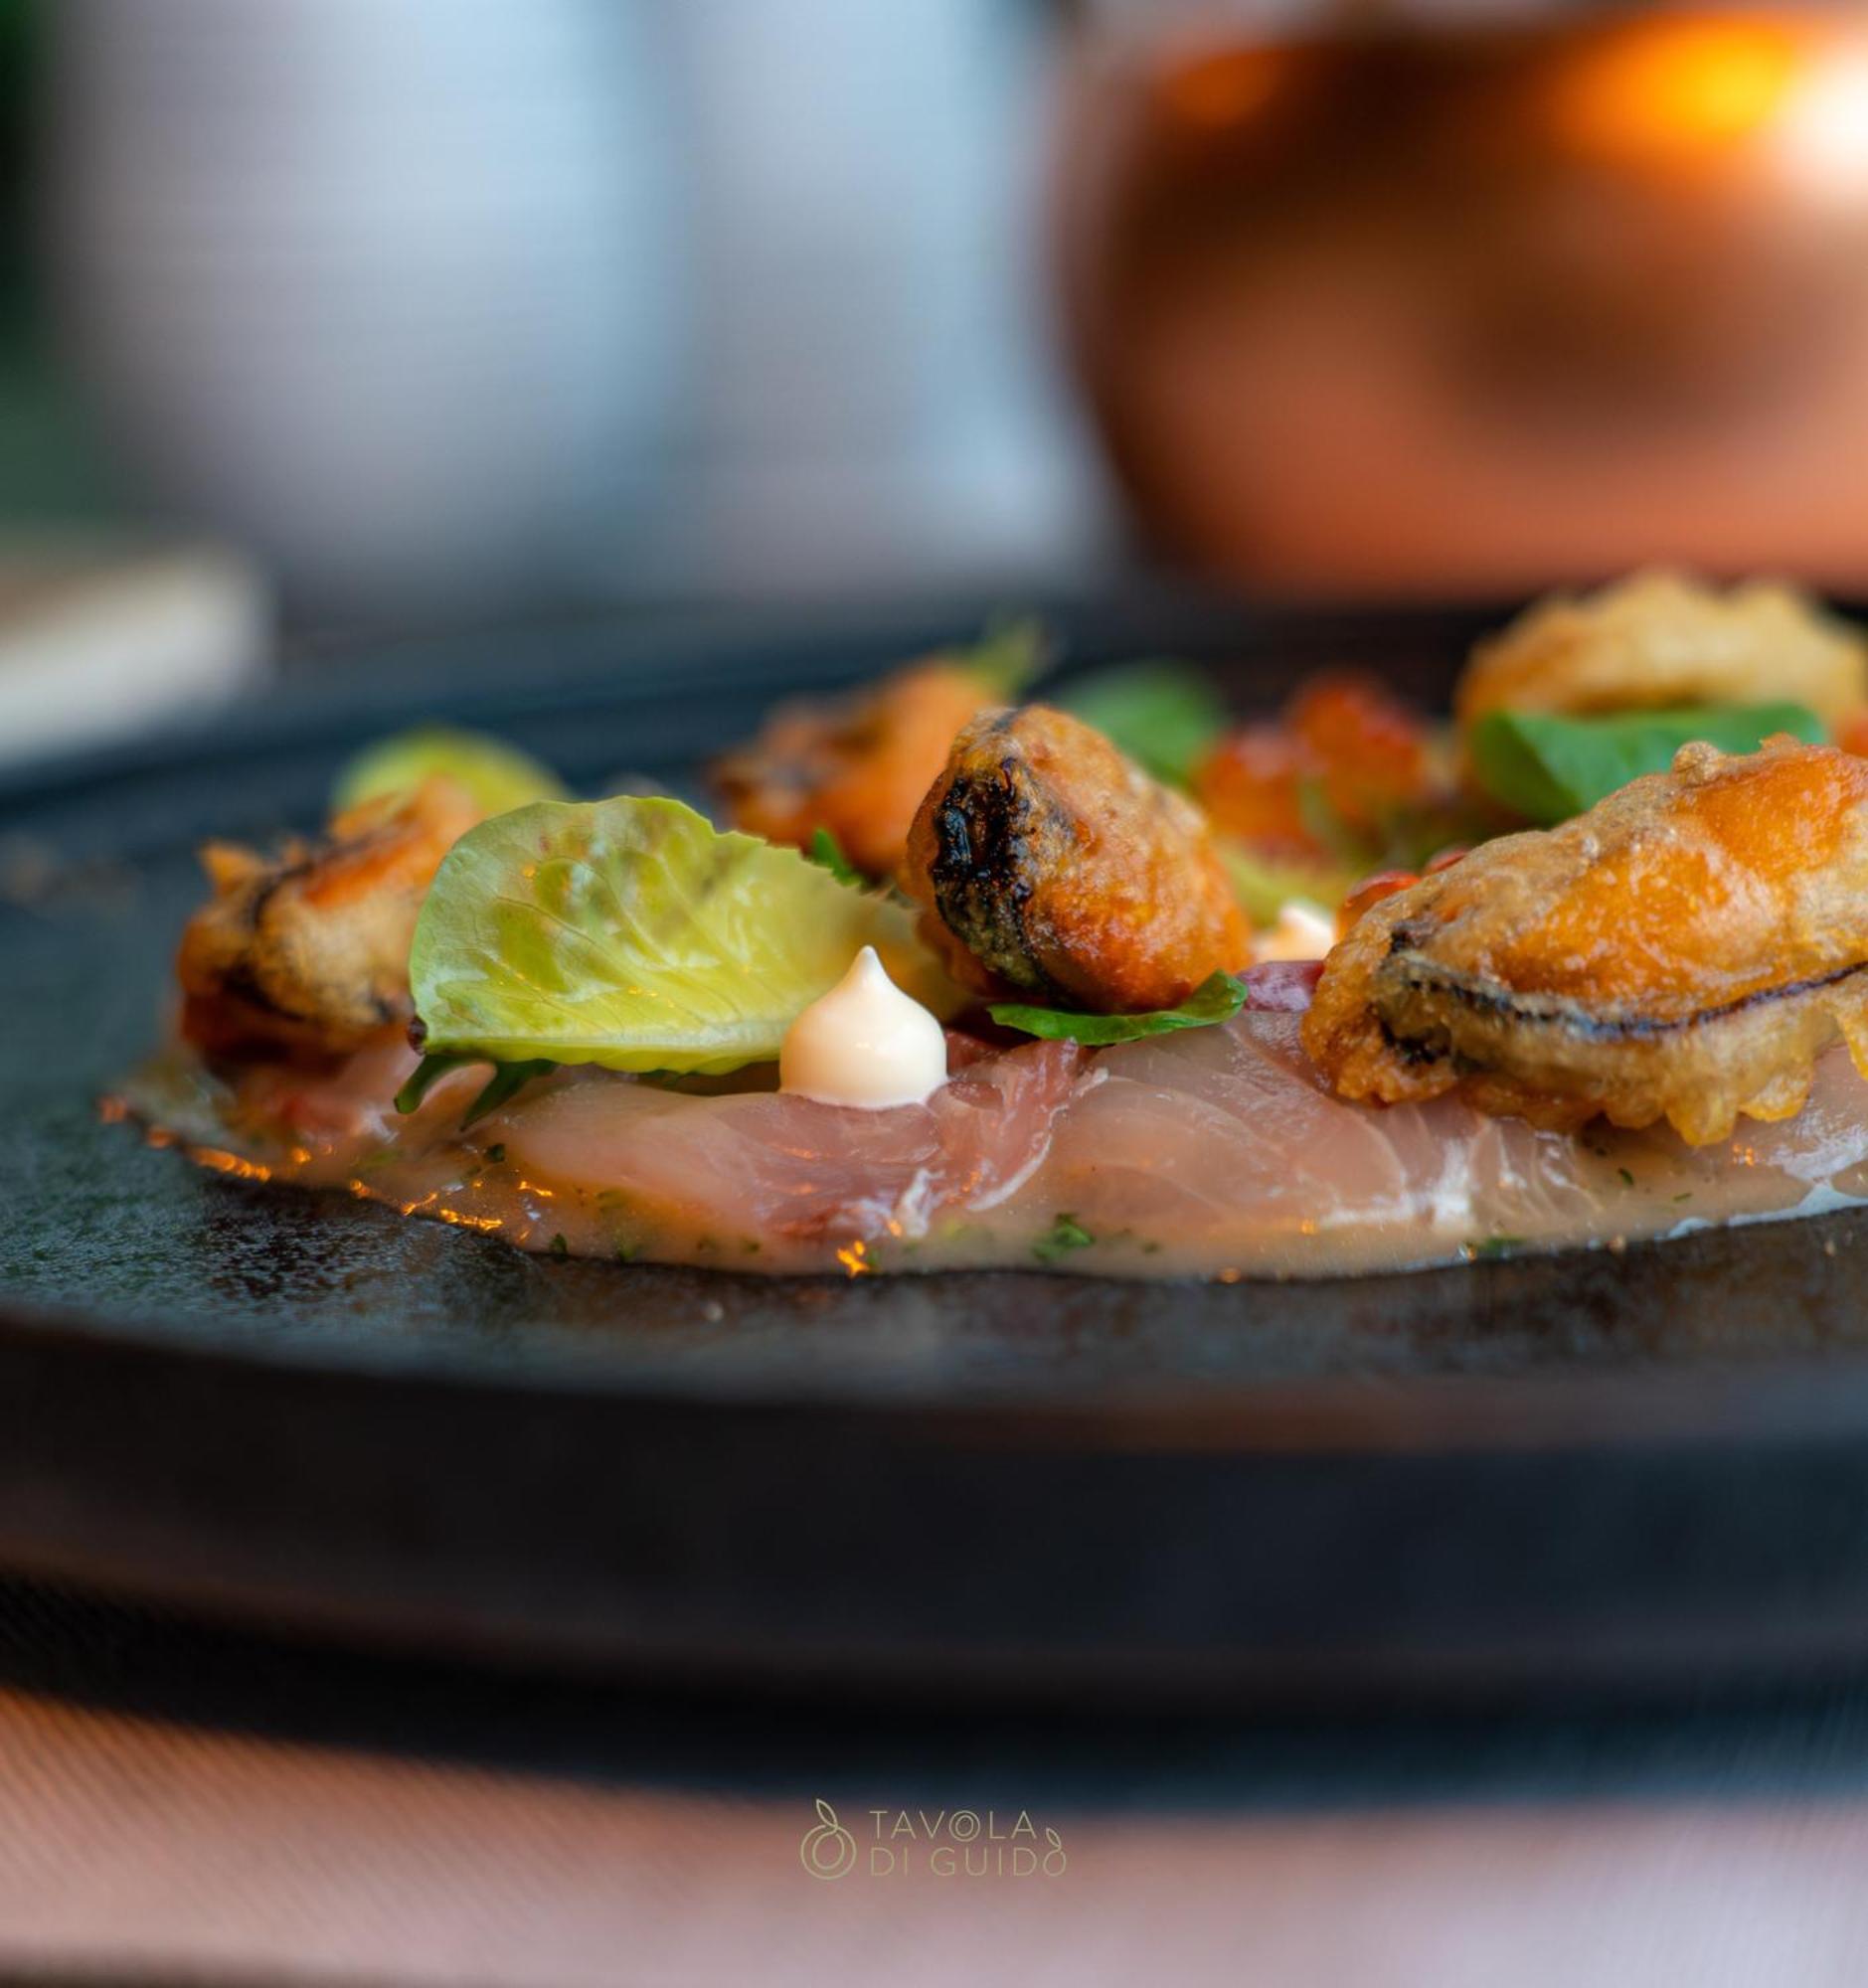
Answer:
(181, 1801)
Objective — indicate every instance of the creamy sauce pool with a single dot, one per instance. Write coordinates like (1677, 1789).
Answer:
(1212, 1153)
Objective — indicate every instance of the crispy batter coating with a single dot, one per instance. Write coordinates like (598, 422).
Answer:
(308, 953)
(858, 768)
(1683, 950)
(1658, 639)
(1063, 870)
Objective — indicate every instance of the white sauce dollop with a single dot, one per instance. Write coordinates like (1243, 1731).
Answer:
(1302, 931)
(865, 1044)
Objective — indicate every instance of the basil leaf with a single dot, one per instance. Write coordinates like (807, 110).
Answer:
(1217, 999)
(1548, 769)
(1164, 716)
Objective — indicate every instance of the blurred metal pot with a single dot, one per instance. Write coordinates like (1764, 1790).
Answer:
(1415, 297)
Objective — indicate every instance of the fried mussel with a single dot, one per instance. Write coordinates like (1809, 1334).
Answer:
(856, 767)
(1681, 952)
(1661, 641)
(1050, 863)
(306, 953)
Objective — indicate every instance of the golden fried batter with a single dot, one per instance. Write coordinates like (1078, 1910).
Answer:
(311, 952)
(1682, 950)
(1657, 640)
(858, 768)
(1063, 870)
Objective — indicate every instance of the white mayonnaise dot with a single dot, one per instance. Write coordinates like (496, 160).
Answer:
(1302, 931)
(865, 1044)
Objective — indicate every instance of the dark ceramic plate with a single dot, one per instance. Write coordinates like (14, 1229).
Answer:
(260, 1402)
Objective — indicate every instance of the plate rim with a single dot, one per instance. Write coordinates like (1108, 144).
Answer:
(1765, 1400)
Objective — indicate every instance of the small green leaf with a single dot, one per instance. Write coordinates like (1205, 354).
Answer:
(1217, 999)
(1548, 769)
(1065, 1234)
(499, 776)
(827, 853)
(1164, 716)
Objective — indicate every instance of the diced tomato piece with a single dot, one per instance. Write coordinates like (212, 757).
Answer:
(1251, 785)
(1370, 748)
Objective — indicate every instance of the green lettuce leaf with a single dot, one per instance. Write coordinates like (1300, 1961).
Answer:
(632, 933)
(1217, 999)
(499, 776)
(1164, 716)
(1548, 769)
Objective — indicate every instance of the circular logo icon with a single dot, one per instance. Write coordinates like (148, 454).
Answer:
(829, 1849)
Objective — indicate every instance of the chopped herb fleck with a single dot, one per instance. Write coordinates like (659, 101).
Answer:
(1687, 1195)
(1493, 1247)
(1626, 1177)
(560, 1248)
(496, 1153)
(1063, 1235)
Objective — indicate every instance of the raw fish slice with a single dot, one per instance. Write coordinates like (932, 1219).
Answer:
(1209, 1151)
(1228, 1131)
(1225, 1138)
(764, 1162)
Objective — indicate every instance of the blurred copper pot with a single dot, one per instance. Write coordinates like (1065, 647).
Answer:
(1385, 303)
